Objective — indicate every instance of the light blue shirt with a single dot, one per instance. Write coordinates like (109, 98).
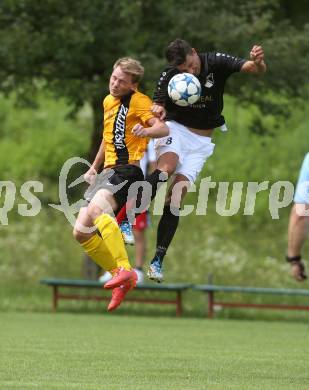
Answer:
(302, 189)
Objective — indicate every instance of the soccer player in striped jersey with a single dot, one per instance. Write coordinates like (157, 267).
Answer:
(128, 125)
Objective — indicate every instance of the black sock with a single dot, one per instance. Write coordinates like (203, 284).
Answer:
(166, 230)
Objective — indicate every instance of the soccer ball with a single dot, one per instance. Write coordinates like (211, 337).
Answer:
(184, 89)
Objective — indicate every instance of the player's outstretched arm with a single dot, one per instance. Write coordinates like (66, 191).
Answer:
(157, 129)
(256, 63)
(90, 175)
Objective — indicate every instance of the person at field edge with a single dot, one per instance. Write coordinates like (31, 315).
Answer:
(189, 144)
(299, 223)
(128, 124)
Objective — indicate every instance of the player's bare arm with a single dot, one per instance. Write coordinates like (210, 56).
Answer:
(256, 63)
(90, 175)
(157, 129)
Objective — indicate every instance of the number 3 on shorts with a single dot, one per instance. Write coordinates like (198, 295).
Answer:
(169, 141)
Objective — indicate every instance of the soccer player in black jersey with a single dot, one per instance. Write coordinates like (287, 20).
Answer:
(184, 151)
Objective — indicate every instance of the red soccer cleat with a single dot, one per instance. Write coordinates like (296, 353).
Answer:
(119, 293)
(121, 276)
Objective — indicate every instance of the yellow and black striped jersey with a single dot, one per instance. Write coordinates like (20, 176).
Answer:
(120, 116)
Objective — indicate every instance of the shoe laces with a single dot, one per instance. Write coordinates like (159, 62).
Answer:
(116, 272)
(156, 264)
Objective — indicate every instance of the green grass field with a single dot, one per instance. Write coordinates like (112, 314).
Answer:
(128, 350)
(76, 351)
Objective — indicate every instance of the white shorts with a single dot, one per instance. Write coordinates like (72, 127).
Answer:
(192, 149)
(149, 157)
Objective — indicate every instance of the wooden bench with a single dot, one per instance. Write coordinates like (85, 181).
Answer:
(211, 289)
(56, 284)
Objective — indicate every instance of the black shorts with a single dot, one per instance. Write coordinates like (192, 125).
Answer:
(112, 177)
(131, 173)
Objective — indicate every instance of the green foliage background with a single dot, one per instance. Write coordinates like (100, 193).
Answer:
(55, 62)
(237, 250)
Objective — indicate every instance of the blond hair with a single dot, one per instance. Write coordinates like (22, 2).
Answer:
(131, 66)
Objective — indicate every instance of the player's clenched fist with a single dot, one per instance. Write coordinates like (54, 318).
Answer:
(140, 131)
(257, 54)
(90, 175)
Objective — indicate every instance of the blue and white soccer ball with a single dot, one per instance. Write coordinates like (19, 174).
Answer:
(184, 89)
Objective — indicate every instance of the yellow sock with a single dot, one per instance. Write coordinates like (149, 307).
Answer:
(97, 250)
(112, 238)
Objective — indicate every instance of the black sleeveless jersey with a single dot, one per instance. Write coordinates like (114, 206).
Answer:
(206, 112)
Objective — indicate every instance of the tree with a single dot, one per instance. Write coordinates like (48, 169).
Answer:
(234, 26)
(69, 47)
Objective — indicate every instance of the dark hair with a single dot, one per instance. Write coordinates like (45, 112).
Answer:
(177, 51)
